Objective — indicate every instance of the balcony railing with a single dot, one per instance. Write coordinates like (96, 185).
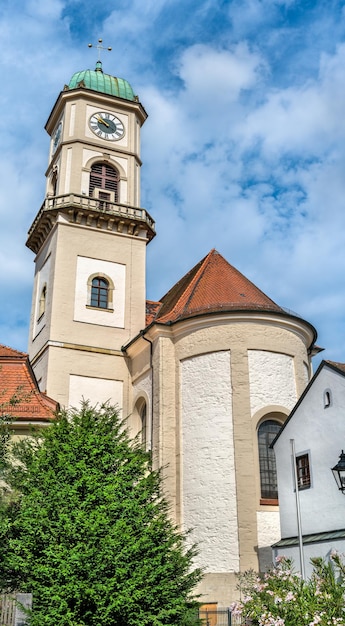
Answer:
(98, 205)
(81, 202)
(84, 209)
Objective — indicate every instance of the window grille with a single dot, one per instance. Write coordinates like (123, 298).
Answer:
(267, 461)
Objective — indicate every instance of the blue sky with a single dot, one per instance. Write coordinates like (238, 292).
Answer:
(243, 150)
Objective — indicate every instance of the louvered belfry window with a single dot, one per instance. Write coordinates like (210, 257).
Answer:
(103, 176)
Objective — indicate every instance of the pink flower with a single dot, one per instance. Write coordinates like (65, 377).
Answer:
(290, 596)
(280, 558)
(236, 608)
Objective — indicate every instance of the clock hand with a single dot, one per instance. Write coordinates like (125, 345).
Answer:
(102, 121)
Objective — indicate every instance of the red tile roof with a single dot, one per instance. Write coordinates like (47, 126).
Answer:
(213, 285)
(17, 380)
(10, 352)
(152, 309)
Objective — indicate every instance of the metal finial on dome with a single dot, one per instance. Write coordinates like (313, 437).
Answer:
(99, 48)
(99, 66)
(97, 80)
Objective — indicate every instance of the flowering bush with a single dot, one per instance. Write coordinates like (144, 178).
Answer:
(281, 598)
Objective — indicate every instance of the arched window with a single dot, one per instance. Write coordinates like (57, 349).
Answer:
(104, 177)
(268, 473)
(138, 423)
(143, 415)
(42, 302)
(54, 180)
(327, 398)
(99, 292)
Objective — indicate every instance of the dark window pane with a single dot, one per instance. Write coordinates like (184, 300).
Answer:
(303, 471)
(99, 292)
(268, 473)
(143, 425)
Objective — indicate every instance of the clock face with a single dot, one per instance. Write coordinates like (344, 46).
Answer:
(106, 126)
(57, 136)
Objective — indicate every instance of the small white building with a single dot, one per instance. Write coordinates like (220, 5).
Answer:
(313, 520)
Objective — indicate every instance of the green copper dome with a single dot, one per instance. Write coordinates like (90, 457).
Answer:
(104, 83)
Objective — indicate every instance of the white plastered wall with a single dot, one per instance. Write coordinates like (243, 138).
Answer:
(209, 487)
(268, 533)
(87, 267)
(96, 390)
(272, 380)
(42, 279)
(320, 432)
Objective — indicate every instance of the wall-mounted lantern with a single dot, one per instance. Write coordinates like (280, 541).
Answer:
(339, 472)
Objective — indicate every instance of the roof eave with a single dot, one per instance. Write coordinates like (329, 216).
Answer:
(323, 364)
(226, 311)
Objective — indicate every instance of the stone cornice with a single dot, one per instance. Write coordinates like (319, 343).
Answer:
(95, 97)
(89, 212)
(305, 331)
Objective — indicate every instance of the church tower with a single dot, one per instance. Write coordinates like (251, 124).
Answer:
(90, 238)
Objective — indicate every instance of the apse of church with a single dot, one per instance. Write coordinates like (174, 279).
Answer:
(206, 375)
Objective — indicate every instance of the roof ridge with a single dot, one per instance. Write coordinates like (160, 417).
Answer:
(194, 281)
(212, 284)
(21, 396)
(11, 352)
(337, 364)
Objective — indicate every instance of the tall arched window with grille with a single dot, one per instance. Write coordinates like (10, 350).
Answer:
(104, 182)
(99, 292)
(267, 461)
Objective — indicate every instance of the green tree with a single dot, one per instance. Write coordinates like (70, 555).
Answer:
(4, 442)
(91, 537)
(7, 405)
(6, 503)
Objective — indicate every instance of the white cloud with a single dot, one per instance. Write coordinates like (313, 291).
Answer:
(278, 215)
(305, 119)
(247, 15)
(243, 149)
(218, 76)
(43, 9)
